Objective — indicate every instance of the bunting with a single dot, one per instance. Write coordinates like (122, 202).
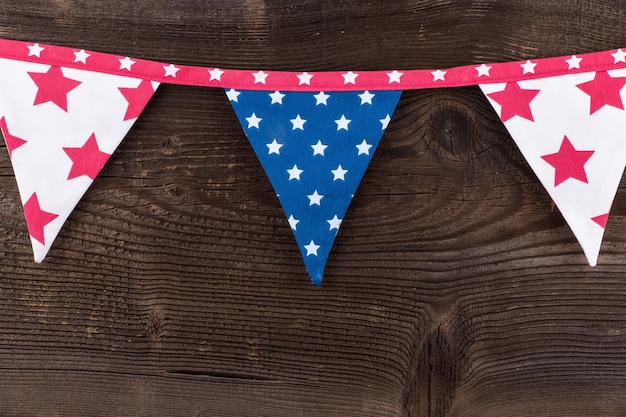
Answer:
(60, 126)
(64, 111)
(314, 148)
(570, 129)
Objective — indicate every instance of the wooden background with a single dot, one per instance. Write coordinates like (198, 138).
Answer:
(176, 288)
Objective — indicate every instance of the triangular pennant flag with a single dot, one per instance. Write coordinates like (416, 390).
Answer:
(60, 126)
(571, 130)
(315, 148)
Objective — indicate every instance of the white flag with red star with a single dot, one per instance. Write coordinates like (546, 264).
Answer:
(572, 131)
(60, 126)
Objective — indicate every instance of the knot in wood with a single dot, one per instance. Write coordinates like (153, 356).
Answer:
(154, 325)
(453, 130)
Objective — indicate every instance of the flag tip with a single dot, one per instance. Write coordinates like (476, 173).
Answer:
(39, 253)
(316, 279)
(592, 260)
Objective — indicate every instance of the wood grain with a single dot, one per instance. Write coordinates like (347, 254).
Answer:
(176, 288)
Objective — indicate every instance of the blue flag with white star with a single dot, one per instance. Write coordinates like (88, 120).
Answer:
(315, 148)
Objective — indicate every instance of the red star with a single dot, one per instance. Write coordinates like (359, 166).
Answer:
(36, 218)
(86, 160)
(53, 86)
(515, 101)
(604, 91)
(12, 142)
(137, 98)
(601, 219)
(568, 162)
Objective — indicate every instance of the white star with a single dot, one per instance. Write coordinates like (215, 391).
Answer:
(529, 67)
(170, 70)
(293, 222)
(366, 97)
(232, 94)
(385, 122)
(339, 173)
(259, 77)
(294, 173)
(315, 198)
(126, 63)
(349, 77)
(35, 50)
(277, 97)
(305, 78)
(253, 121)
(394, 76)
(619, 56)
(364, 148)
(573, 62)
(81, 56)
(334, 223)
(320, 98)
(311, 248)
(342, 123)
(483, 70)
(298, 123)
(318, 148)
(439, 75)
(274, 147)
(216, 74)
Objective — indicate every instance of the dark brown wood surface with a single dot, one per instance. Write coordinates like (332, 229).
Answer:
(176, 288)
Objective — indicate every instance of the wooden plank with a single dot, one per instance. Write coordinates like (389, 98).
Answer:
(176, 288)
